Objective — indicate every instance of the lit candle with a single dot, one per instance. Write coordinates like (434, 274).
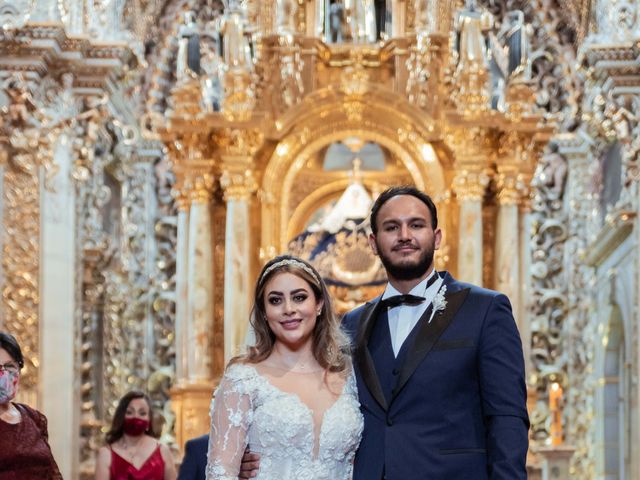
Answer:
(555, 407)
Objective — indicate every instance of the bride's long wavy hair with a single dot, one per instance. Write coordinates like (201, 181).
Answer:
(330, 344)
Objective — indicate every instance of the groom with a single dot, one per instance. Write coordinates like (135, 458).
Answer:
(439, 363)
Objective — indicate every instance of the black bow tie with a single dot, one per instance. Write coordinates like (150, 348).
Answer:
(396, 300)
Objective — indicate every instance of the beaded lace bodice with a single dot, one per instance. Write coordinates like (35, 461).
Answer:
(249, 410)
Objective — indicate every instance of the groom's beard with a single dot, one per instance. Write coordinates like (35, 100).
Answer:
(409, 271)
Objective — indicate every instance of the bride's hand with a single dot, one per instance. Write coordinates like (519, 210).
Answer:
(250, 464)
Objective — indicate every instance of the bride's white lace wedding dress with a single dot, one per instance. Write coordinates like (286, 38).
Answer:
(248, 409)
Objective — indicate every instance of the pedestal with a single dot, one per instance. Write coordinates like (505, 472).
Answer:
(190, 403)
(556, 462)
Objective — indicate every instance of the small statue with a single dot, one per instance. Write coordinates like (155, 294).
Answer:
(337, 22)
(555, 170)
(516, 37)
(286, 11)
(237, 52)
(213, 68)
(471, 25)
(188, 59)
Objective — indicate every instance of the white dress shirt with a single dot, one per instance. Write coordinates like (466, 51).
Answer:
(403, 318)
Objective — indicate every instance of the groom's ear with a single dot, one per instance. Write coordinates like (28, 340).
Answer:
(437, 239)
(372, 243)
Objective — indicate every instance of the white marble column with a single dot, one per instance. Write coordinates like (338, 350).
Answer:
(469, 188)
(237, 285)
(507, 252)
(523, 318)
(199, 292)
(57, 385)
(182, 277)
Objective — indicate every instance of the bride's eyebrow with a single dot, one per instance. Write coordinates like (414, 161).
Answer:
(293, 292)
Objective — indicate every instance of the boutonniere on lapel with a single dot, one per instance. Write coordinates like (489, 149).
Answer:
(439, 302)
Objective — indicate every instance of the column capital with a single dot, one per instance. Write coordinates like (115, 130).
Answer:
(238, 185)
(194, 182)
(473, 147)
(512, 187)
(238, 142)
(194, 187)
(470, 186)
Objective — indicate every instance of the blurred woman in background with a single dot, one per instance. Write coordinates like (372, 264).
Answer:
(24, 446)
(133, 451)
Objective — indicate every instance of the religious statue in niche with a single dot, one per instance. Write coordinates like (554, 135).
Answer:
(212, 66)
(286, 11)
(337, 24)
(510, 56)
(188, 58)
(424, 18)
(356, 21)
(236, 46)
(471, 25)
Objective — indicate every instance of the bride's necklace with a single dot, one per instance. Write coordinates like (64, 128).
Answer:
(297, 367)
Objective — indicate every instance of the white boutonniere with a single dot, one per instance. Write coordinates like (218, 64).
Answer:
(439, 302)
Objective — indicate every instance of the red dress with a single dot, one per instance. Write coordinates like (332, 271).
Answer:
(151, 469)
(24, 448)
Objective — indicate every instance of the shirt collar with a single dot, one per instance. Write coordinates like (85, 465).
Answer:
(419, 290)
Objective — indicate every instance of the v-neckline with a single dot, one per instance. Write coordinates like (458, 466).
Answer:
(316, 438)
(143, 463)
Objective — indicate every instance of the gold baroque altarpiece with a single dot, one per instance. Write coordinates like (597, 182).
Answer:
(230, 154)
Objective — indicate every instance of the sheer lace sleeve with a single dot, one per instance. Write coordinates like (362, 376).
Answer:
(231, 414)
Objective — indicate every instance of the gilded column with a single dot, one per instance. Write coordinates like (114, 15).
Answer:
(470, 189)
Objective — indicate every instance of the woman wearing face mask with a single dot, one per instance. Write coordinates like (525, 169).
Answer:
(24, 446)
(133, 451)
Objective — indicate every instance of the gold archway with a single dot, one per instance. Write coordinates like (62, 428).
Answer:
(328, 116)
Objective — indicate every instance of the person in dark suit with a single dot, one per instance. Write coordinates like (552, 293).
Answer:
(194, 462)
(439, 363)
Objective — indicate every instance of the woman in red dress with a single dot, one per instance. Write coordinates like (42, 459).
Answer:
(24, 445)
(133, 451)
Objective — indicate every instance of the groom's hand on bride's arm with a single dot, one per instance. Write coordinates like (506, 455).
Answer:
(249, 465)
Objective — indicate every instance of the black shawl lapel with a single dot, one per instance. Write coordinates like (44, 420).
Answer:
(429, 333)
(363, 356)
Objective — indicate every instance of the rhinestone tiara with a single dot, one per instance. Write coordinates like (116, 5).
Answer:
(293, 263)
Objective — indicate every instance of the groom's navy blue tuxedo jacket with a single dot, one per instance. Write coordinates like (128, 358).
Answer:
(452, 405)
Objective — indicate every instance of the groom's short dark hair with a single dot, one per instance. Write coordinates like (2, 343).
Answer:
(389, 193)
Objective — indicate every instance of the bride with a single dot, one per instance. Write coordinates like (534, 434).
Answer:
(292, 398)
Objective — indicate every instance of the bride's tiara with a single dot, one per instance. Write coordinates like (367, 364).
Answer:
(293, 263)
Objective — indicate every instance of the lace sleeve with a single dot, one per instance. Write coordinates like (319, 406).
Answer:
(231, 414)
